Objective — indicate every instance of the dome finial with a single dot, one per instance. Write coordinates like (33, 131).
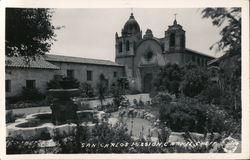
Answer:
(132, 16)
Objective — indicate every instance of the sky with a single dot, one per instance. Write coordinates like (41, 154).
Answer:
(90, 33)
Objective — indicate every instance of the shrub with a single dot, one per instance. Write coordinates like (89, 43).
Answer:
(164, 134)
(102, 133)
(198, 144)
(162, 98)
(45, 136)
(63, 83)
(169, 79)
(212, 94)
(11, 117)
(190, 115)
(19, 146)
(195, 80)
(28, 94)
(86, 90)
(118, 90)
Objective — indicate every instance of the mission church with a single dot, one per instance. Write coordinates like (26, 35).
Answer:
(137, 57)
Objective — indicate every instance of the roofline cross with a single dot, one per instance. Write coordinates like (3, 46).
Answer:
(175, 16)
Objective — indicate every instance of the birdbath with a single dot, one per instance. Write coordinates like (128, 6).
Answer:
(63, 108)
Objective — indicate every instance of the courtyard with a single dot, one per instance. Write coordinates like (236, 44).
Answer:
(155, 95)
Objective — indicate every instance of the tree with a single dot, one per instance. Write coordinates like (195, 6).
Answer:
(230, 19)
(169, 79)
(230, 62)
(118, 91)
(29, 32)
(102, 87)
(195, 80)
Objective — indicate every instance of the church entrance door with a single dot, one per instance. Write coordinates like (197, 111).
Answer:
(147, 82)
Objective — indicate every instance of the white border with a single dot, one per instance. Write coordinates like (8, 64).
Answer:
(135, 4)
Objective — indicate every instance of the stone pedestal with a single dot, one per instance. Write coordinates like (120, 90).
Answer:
(63, 108)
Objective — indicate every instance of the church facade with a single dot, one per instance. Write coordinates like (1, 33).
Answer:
(137, 57)
(143, 55)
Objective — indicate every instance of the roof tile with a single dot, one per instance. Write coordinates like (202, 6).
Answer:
(20, 62)
(60, 58)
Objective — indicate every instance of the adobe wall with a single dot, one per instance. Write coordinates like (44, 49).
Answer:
(19, 76)
(80, 71)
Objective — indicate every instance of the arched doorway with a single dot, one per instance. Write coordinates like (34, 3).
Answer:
(147, 82)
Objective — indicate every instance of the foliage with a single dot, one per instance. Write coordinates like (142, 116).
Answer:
(118, 91)
(29, 31)
(164, 134)
(102, 88)
(169, 78)
(82, 105)
(230, 62)
(230, 80)
(63, 83)
(86, 90)
(212, 94)
(31, 94)
(204, 144)
(190, 115)
(19, 103)
(102, 133)
(195, 80)
(11, 117)
(19, 146)
(162, 98)
(230, 19)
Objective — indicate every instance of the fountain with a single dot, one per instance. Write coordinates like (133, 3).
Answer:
(61, 121)
(63, 108)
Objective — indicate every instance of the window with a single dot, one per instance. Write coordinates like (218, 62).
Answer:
(127, 46)
(205, 61)
(30, 84)
(70, 73)
(120, 47)
(8, 86)
(89, 75)
(198, 60)
(115, 74)
(182, 41)
(172, 40)
(193, 59)
(148, 55)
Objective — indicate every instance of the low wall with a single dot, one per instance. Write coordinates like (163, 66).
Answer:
(33, 133)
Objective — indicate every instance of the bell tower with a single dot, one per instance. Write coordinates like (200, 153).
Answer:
(130, 34)
(125, 45)
(175, 40)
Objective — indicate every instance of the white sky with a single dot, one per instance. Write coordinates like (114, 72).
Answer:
(90, 33)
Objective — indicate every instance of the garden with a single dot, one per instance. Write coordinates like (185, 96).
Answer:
(182, 114)
(190, 109)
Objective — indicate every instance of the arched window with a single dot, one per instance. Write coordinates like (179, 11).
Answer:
(120, 47)
(127, 45)
(182, 41)
(172, 40)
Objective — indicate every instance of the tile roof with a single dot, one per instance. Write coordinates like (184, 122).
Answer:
(60, 58)
(20, 62)
(196, 52)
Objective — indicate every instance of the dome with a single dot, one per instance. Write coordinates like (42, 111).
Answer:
(131, 26)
